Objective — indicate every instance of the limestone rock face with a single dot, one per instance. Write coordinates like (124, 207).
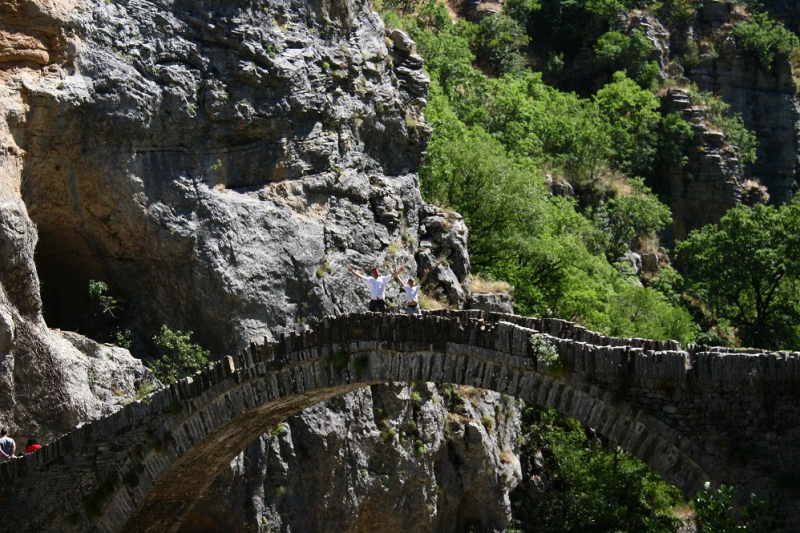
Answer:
(222, 165)
(385, 459)
(443, 249)
(655, 32)
(493, 302)
(712, 181)
(765, 97)
(50, 380)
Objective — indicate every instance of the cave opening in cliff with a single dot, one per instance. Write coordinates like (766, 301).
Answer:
(65, 266)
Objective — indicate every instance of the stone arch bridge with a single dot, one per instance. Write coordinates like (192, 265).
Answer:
(693, 416)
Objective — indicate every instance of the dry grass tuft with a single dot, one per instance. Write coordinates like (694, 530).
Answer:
(427, 303)
(507, 456)
(485, 286)
(754, 192)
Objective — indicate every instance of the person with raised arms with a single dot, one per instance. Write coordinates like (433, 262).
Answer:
(377, 287)
(412, 291)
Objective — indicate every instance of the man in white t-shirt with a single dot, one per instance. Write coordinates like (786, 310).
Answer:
(7, 446)
(377, 288)
(412, 292)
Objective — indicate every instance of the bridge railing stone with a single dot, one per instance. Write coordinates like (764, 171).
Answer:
(103, 430)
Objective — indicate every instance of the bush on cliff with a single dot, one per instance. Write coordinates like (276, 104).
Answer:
(596, 485)
(764, 39)
(180, 357)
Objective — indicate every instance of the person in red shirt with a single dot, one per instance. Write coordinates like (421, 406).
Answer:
(32, 446)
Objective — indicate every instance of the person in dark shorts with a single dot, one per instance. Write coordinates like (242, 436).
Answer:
(412, 291)
(377, 288)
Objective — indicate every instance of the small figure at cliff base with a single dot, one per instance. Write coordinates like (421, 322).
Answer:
(32, 446)
(7, 446)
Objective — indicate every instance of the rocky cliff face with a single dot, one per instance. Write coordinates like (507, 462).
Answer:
(764, 96)
(388, 459)
(714, 179)
(218, 166)
(240, 155)
(711, 181)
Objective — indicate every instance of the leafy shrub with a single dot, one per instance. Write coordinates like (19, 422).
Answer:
(681, 13)
(633, 122)
(499, 39)
(123, 338)
(746, 270)
(644, 312)
(544, 350)
(633, 218)
(731, 124)
(763, 39)
(595, 486)
(341, 358)
(521, 10)
(714, 512)
(180, 357)
(615, 51)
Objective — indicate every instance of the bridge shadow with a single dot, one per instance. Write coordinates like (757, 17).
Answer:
(681, 412)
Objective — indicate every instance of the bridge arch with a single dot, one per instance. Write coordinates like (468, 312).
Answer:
(143, 468)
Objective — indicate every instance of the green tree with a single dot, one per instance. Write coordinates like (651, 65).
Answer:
(747, 270)
(100, 295)
(764, 39)
(615, 51)
(632, 219)
(632, 113)
(179, 356)
(500, 38)
(521, 10)
(731, 124)
(645, 312)
(716, 513)
(595, 485)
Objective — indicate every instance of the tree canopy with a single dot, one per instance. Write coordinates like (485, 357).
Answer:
(747, 269)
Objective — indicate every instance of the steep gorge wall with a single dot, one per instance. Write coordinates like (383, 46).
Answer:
(713, 178)
(187, 153)
(764, 95)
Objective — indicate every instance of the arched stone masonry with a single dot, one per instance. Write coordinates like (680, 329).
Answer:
(693, 416)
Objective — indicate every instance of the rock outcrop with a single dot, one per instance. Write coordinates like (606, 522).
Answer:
(764, 95)
(389, 458)
(711, 181)
(50, 380)
(241, 156)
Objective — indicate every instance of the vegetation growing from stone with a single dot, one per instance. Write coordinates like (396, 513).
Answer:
(731, 124)
(179, 356)
(493, 141)
(103, 320)
(763, 39)
(499, 128)
(544, 351)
